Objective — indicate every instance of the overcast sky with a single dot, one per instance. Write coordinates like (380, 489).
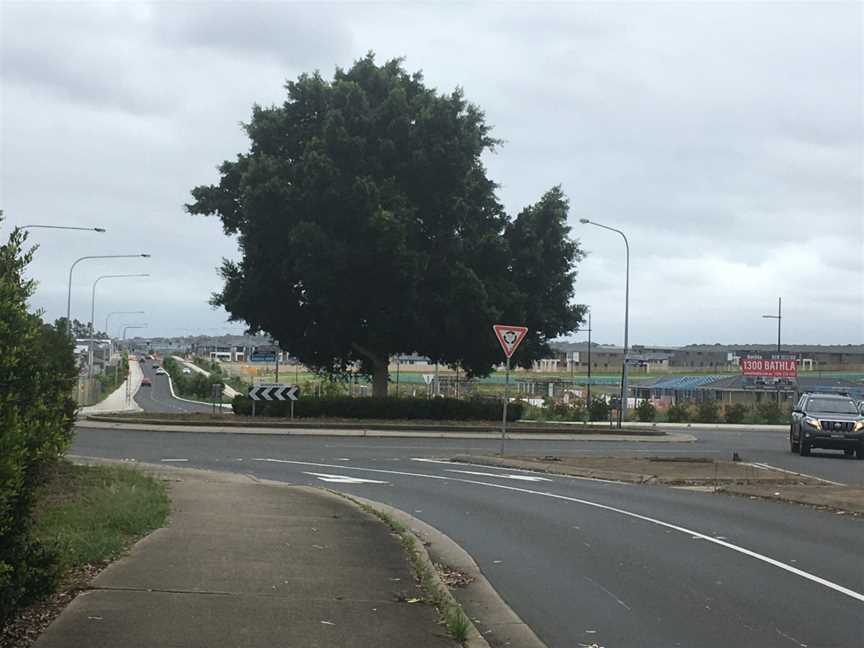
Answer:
(725, 139)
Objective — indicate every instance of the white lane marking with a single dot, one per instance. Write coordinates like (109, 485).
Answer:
(792, 472)
(667, 525)
(482, 474)
(175, 460)
(343, 479)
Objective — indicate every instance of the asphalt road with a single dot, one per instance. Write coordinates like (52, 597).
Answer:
(157, 398)
(587, 562)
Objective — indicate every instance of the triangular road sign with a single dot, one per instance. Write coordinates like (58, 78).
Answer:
(510, 337)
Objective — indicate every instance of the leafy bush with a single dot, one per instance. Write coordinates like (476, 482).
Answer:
(770, 412)
(734, 413)
(37, 373)
(678, 413)
(599, 409)
(645, 411)
(392, 408)
(707, 411)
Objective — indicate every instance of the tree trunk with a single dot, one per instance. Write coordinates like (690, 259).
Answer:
(380, 379)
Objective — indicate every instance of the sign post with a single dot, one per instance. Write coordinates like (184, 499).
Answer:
(274, 391)
(510, 337)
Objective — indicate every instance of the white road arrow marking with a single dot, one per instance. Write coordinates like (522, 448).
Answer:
(529, 478)
(343, 479)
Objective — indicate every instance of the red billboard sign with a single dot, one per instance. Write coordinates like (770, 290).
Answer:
(769, 367)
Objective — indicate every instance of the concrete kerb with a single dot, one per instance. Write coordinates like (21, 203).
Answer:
(482, 602)
(113, 424)
(229, 391)
(116, 401)
(186, 400)
(483, 599)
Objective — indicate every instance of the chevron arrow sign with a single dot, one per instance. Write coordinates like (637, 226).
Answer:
(274, 392)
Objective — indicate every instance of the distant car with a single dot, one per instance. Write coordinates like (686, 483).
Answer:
(827, 421)
(156, 366)
(161, 372)
(187, 370)
(141, 360)
(146, 382)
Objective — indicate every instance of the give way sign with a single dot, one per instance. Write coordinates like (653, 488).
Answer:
(510, 337)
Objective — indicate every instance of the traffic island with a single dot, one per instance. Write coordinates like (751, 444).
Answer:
(696, 473)
(271, 423)
(671, 471)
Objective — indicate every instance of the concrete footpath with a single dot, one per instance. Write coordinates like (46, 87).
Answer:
(116, 401)
(254, 565)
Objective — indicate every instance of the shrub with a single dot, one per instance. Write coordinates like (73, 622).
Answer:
(390, 407)
(645, 411)
(707, 411)
(37, 373)
(770, 412)
(734, 413)
(678, 413)
(599, 410)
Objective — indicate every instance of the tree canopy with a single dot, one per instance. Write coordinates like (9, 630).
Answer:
(367, 227)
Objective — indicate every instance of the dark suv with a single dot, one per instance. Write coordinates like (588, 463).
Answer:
(827, 421)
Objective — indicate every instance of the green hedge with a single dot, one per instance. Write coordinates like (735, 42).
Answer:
(429, 409)
(37, 376)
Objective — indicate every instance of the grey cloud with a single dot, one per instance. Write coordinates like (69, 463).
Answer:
(299, 35)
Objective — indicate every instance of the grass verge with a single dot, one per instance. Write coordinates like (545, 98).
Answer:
(87, 516)
(436, 593)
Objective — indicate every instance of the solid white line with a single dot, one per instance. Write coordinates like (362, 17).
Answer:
(693, 534)
(175, 460)
(483, 474)
(797, 474)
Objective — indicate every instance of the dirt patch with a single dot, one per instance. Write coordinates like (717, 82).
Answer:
(847, 500)
(25, 627)
(678, 471)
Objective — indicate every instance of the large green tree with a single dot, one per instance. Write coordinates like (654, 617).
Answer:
(368, 227)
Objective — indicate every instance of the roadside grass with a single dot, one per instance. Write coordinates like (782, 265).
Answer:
(91, 514)
(434, 590)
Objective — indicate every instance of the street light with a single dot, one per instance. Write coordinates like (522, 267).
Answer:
(93, 314)
(112, 314)
(64, 227)
(622, 411)
(77, 261)
(779, 318)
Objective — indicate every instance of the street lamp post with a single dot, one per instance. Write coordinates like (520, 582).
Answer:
(622, 411)
(93, 314)
(101, 230)
(113, 313)
(79, 260)
(779, 318)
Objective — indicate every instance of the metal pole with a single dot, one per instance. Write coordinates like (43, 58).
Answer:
(397, 375)
(506, 399)
(589, 359)
(437, 383)
(93, 315)
(64, 227)
(622, 411)
(278, 351)
(779, 320)
(77, 261)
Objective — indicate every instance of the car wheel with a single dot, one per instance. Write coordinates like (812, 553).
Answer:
(860, 454)
(848, 451)
(803, 448)
(793, 447)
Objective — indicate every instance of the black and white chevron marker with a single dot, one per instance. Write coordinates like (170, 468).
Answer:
(274, 391)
